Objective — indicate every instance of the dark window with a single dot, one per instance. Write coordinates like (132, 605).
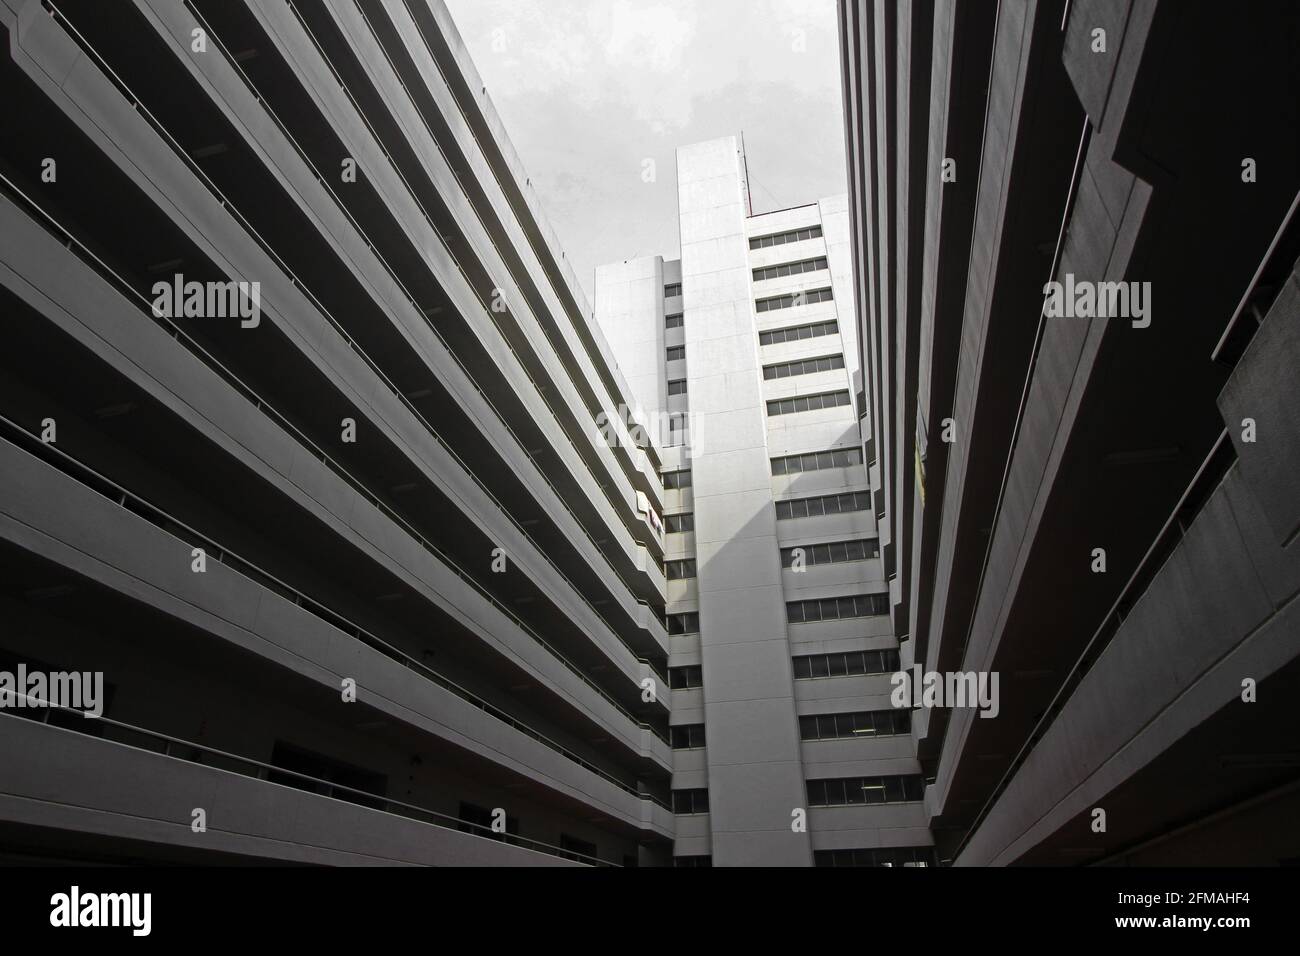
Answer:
(677, 570)
(807, 403)
(576, 849)
(692, 861)
(691, 801)
(677, 386)
(478, 820)
(685, 623)
(833, 552)
(676, 353)
(817, 461)
(781, 238)
(673, 321)
(677, 479)
(837, 609)
(681, 678)
(849, 791)
(679, 524)
(687, 736)
(876, 856)
(841, 503)
(790, 269)
(672, 289)
(796, 332)
(862, 723)
(826, 363)
(333, 778)
(792, 299)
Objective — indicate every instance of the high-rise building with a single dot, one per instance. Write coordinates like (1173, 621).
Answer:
(1075, 241)
(742, 356)
(302, 419)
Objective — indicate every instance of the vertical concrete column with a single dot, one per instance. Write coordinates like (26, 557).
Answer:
(755, 773)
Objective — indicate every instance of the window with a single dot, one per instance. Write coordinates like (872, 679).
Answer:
(837, 504)
(781, 238)
(478, 820)
(864, 723)
(673, 321)
(339, 780)
(691, 801)
(679, 524)
(816, 461)
(792, 299)
(832, 552)
(676, 353)
(692, 861)
(826, 363)
(685, 623)
(854, 791)
(908, 856)
(795, 333)
(576, 849)
(677, 570)
(847, 664)
(672, 289)
(674, 480)
(807, 403)
(790, 269)
(688, 736)
(837, 608)
(677, 386)
(684, 678)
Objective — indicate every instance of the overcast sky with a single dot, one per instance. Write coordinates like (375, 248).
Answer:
(590, 89)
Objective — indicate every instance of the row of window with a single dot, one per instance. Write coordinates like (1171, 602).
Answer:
(672, 289)
(807, 403)
(689, 736)
(807, 667)
(792, 299)
(790, 269)
(876, 856)
(824, 363)
(673, 321)
(680, 479)
(846, 664)
(691, 801)
(832, 552)
(675, 353)
(816, 461)
(781, 238)
(796, 333)
(679, 524)
(685, 677)
(685, 623)
(693, 861)
(819, 505)
(478, 820)
(677, 386)
(836, 608)
(863, 723)
(678, 570)
(853, 791)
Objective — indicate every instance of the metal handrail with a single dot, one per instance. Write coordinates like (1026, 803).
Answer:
(145, 509)
(263, 769)
(355, 347)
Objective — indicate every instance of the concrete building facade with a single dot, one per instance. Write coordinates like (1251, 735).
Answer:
(1100, 508)
(786, 748)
